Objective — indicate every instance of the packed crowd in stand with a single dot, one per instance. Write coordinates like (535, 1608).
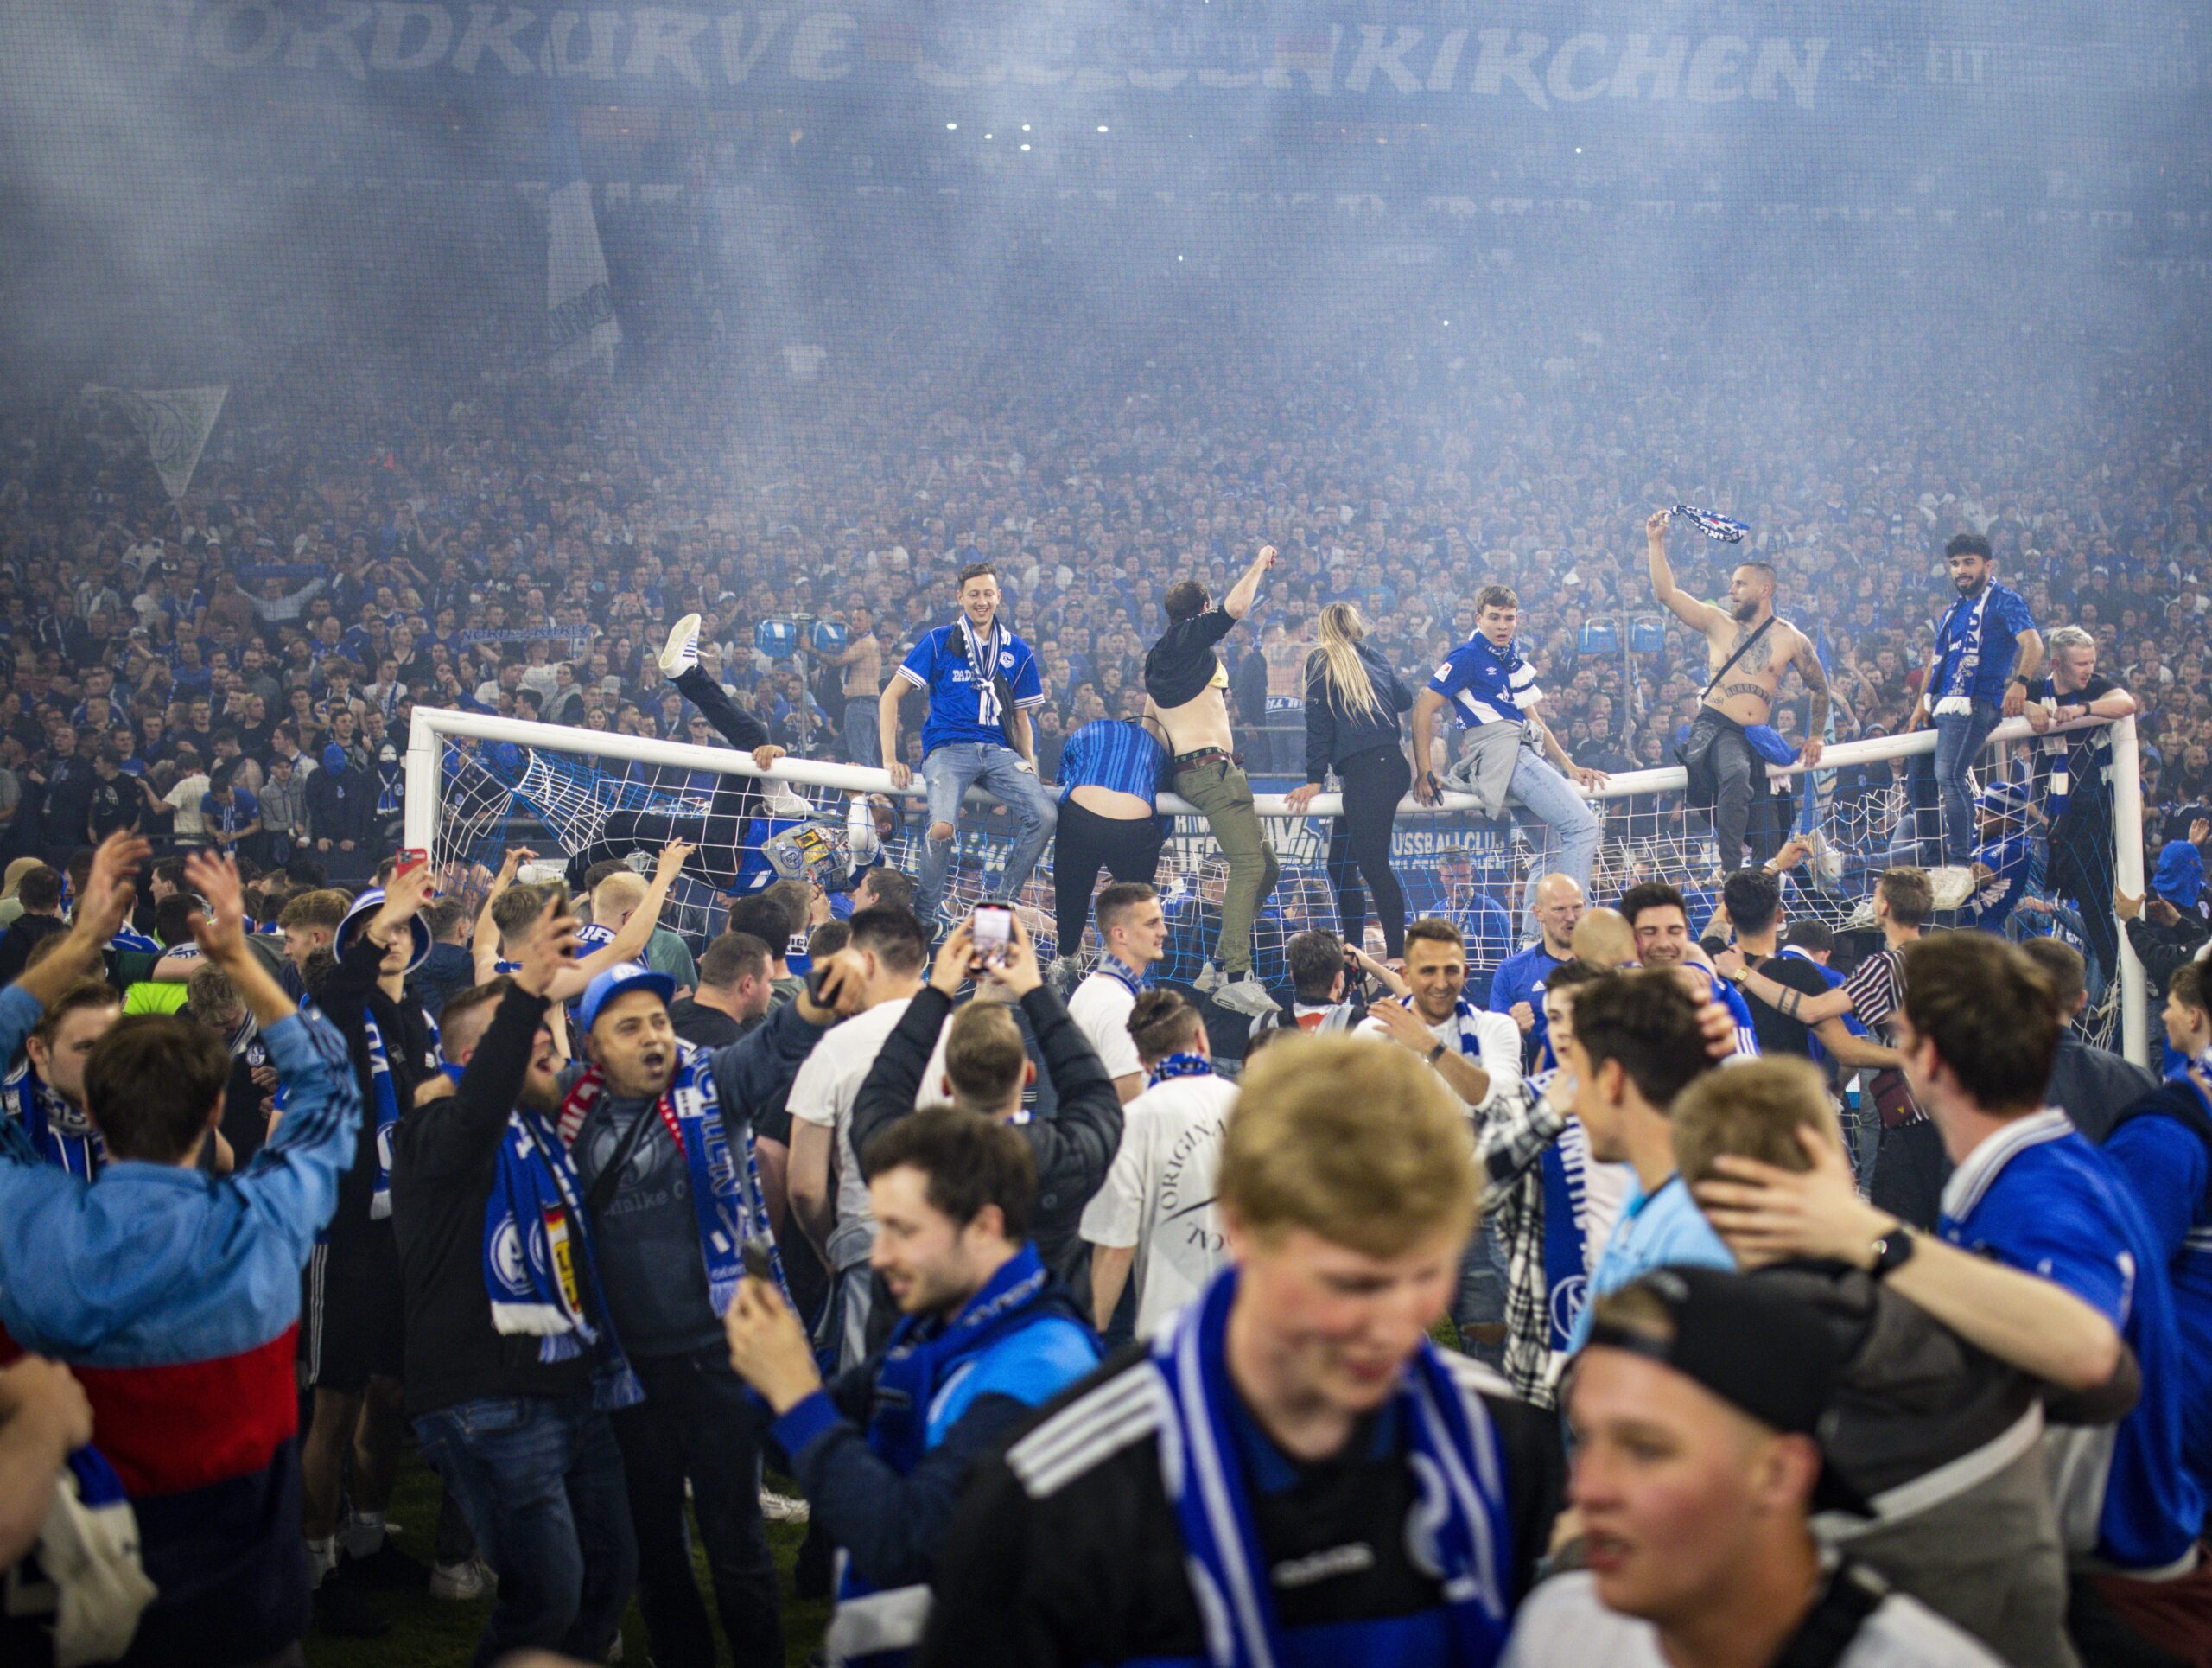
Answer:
(1228, 1285)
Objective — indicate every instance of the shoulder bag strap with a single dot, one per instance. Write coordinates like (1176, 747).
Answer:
(1742, 649)
(1853, 1594)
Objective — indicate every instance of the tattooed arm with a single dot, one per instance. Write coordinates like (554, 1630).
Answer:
(1807, 662)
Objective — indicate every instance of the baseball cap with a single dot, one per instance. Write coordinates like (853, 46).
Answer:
(1760, 1349)
(367, 905)
(611, 982)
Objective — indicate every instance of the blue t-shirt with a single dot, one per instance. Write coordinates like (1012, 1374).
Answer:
(1520, 977)
(2008, 861)
(2037, 1197)
(960, 710)
(1115, 753)
(2166, 1162)
(1655, 1230)
(222, 818)
(2004, 616)
(1485, 684)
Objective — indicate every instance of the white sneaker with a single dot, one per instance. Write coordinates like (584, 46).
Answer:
(680, 653)
(1245, 996)
(359, 1538)
(782, 1508)
(471, 1578)
(1207, 981)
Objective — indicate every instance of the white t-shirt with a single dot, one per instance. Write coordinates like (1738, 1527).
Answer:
(1101, 1009)
(1159, 1193)
(1563, 1624)
(823, 1094)
(185, 797)
(1497, 1039)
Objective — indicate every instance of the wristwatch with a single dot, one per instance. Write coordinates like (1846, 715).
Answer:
(1892, 1252)
(1435, 1054)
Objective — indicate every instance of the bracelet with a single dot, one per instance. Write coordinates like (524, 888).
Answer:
(1435, 1054)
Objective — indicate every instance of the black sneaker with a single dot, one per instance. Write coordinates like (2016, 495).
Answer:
(341, 1611)
(389, 1568)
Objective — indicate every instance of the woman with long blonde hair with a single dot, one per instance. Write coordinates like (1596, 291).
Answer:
(1353, 698)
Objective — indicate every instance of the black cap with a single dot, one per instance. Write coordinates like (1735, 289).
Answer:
(1757, 1348)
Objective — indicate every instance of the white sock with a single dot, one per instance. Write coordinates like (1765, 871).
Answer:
(322, 1556)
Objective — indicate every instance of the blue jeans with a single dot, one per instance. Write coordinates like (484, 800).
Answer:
(861, 736)
(951, 771)
(1480, 1301)
(540, 1481)
(698, 1423)
(1942, 807)
(1570, 831)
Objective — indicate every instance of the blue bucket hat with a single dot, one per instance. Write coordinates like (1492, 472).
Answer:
(612, 982)
(367, 905)
(2179, 878)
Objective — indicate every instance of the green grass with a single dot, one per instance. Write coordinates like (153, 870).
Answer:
(428, 1632)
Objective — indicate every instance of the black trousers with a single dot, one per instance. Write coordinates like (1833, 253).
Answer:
(720, 833)
(2082, 869)
(1731, 784)
(1359, 846)
(1126, 847)
(1910, 1167)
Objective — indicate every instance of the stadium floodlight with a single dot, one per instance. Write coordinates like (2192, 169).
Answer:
(477, 783)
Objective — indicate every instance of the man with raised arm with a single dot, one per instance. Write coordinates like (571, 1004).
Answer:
(1485, 681)
(172, 1295)
(981, 682)
(1749, 648)
(1187, 689)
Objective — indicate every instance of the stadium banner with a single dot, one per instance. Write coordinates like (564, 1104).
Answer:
(175, 422)
(581, 328)
(1516, 60)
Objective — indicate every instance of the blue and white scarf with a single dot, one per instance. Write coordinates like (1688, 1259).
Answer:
(1114, 968)
(1958, 647)
(127, 939)
(728, 1211)
(63, 1134)
(1460, 1532)
(1179, 1065)
(385, 1098)
(983, 662)
(539, 1269)
(926, 1359)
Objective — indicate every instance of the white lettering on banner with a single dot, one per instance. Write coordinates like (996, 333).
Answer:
(662, 45)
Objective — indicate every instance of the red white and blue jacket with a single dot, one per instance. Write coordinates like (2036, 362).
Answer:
(173, 1297)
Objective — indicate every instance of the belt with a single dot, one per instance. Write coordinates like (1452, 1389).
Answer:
(1205, 755)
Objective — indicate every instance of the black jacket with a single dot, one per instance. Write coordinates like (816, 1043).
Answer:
(1077, 1559)
(341, 805)
(445, 1160)
(2094, 1087)
(1073, 1149)
(2162, 949)
(1333, 730)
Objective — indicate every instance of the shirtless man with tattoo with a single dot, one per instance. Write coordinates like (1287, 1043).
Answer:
(1748, 649)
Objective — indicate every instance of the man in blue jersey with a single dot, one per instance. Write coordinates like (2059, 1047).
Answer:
(1109, 776)
(2031, 1193)
(883, 1451)
(1485, 681)
(1969, 679)
(1660, 919)
(981, 682)
(1516, 989)
(2003, 859)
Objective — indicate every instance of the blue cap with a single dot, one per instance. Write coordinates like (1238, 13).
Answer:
(367, 905)
(612, 982)
(333, 757)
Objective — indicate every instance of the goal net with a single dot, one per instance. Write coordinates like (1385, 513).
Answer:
(2049, 850)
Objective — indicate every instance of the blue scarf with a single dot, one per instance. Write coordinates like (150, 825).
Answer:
(1114, 968)
(386, 1107)
(1462, 1522)
(728, 1213)
(1564, 1166)
(63, 1136)
(1179, 1066)
(927, 1357)
(538, 1266)
(1958, 644)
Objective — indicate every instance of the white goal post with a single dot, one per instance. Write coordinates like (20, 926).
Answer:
(436, 730)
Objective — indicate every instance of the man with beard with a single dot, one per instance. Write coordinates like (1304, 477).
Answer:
(1748, 649)
(1970, 676)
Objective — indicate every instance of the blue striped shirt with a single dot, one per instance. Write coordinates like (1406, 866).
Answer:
(1486, 685)
(1113, 753)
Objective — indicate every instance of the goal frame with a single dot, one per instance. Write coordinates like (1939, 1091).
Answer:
(432, 725)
